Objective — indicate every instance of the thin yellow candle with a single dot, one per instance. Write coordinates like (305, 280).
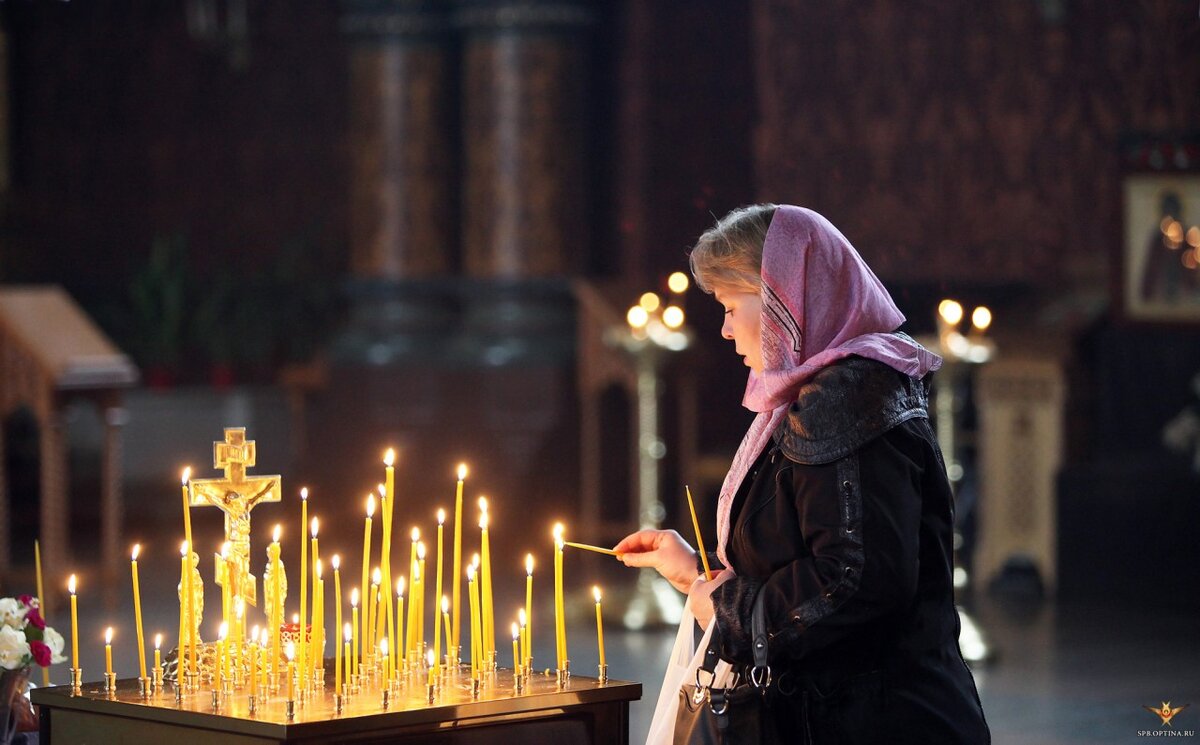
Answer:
(354, 638)
(137, 613)
(227, 587)
(472, 595)
(446, 622)
(303, 579)
(400, 653)
(389, 490)
(291, 670)
(366, 573)
(373, 608)
(413, 572)
(337, 614)
(456, 643)
(307, 654)
(383, 654)
(318, 647)
(157, 652)
(108, 635)
(347, 635)
(185, 612)
(429, 667)
(254, 655)
(523, 621)
(263, 643)
(516, 634)
(41, 596)
(74, 623)
(222, 651)
(599, 625)
(437, 593)
(277, 621)
(485, 586)
(559, 629)
(528, 622)
(420, 598)
(189, 642)
(235, 642)
(699, 538)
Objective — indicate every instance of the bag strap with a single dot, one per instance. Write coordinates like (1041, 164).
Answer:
(760, 673)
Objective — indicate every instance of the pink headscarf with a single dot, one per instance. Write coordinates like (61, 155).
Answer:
(820, 303)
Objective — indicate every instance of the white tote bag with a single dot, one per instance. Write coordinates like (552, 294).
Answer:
(685, 659)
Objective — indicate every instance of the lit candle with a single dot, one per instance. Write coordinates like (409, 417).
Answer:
(276, 579)
(185, 610)
(699, 539)
(337, 615)
(528, 622)
(485, 586)
(347, 636)
(308, 652)
(559, 626)
(303, 579)
(108, 634)
(516, 632)
(41, 596)
(373, 608)
(74, 623)
(318, 648)
(446, 622)
(366, 573)
(437, 593)
(472, 594)
(189, 626)
(599, 625)
(137, 613)
(389, 491)
(157, 653)
(457, 589)
(420, 598)
(291, 671)
(413, 572)
(523, 620)
(354, 619)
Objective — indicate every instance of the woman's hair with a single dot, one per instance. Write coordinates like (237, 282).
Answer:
(729, 254)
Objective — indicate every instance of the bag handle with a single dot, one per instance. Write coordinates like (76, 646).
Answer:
(760, 673)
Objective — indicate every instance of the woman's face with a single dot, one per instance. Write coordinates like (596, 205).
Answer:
(743, 321)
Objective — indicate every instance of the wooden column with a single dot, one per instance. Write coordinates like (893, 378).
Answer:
(55, 502)
(524, 88)
(401, 141)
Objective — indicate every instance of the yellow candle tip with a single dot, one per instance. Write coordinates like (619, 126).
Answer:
(336, 561)
(516, 631)
(376, 575)
(421, 550)
(558, 531)
(71, 584)
(187, 474)
(157, 641)
(313, 527)
(441, 515)
(354, 596)
(370, 504)
(346, 632)
(596, 593)
(522, 617)
(529, 563)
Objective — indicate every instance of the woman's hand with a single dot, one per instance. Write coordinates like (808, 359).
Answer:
(700, 596)
(665, 551)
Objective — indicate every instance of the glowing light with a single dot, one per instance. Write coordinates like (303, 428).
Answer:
(637, 317)
(951, 311)
(389, 457)
(673, 316)
(678, 282)
(981, 318)
(649, 302)
(462, 471)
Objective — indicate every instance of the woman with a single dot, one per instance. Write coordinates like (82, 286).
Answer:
(837, 505)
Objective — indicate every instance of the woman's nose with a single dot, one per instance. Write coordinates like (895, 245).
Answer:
(727, 329)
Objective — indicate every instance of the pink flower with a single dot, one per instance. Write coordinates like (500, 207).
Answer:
(41, 653)
(27, 600)
(35, 619)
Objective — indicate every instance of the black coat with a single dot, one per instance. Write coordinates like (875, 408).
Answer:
(846, 522)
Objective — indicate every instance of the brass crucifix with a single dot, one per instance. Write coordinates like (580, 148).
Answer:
(235, 495)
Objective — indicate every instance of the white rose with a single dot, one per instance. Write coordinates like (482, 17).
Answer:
(54, 640)
(12, 613)
(14, 650)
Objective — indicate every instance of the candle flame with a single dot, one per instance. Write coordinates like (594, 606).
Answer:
(225, 549)
(558, 531)
(304, 493)
(370, 505)
(417, 573)
(224, 629)
(429, 657)
(596, 592)
(522, 617)
(336, 561)
(136, 548)
(382, 492)
(239, 606)
(421, 550)
(108, 635)
(296, 618)
(187, 475)
(475, 560)
(470, 572)
(416, 534)
(183, 547)
(483, 505)
(516, 632)
(441, 516)
(278, 531)
(389, 457)
(376, 576)
(319, 567)
(265, 638)
(157, 642)
(383, 646)
(347, 634)
(354, 597)
(290, 651)
(254, 634)
(313, 527)
(445, 604)
(71, 584)
(483, 521)
(529, 564)
(462, 471)
(400, 587)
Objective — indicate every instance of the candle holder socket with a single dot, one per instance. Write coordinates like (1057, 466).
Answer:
(110, 683)
(603, 674)
(432, 691)
(191, 680)
(384, 696)
(252, 704)
(178, 694)
(216, 699)
(520, 683)
(289, 708)
(474, 688)
(76, 680)
(144, 687)
(337, 703)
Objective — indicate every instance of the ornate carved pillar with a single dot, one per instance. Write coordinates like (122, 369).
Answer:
(403, 166)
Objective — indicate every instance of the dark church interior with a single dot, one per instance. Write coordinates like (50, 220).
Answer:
(431, 225)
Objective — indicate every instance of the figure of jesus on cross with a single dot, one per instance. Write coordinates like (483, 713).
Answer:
(235, 495)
